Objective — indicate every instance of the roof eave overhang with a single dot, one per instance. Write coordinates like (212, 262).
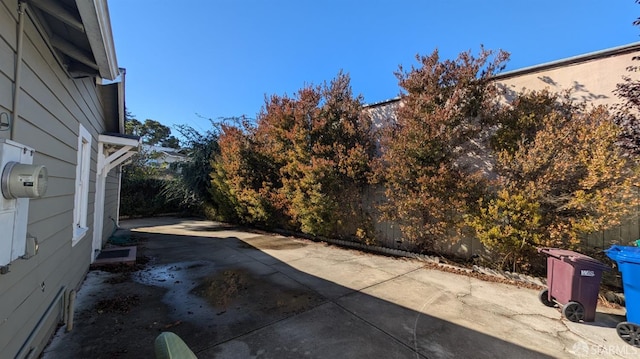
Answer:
(114, 150)
(110, 139)
(97, 25)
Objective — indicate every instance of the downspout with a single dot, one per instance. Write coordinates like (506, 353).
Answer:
(22, 8)
(71, 305)
(117, 220)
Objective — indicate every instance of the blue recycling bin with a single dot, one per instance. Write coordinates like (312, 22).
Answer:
(628, 259)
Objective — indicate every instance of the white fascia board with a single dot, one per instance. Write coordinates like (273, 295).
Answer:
(97, 24)
(118, 141)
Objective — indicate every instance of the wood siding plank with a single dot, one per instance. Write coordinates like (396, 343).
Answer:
(52, 106)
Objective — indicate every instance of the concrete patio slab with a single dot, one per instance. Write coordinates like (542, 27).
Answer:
(232, 293)
(323, 332)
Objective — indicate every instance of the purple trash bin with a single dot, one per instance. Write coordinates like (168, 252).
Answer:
(573, 281)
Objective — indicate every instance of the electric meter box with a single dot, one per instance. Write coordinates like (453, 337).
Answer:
(20, 181)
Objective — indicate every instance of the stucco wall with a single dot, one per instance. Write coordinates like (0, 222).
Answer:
(592, 81)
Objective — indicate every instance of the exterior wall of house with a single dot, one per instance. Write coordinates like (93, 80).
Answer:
(51, 107)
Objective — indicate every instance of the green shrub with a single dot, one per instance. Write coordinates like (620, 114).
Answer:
(143, 197)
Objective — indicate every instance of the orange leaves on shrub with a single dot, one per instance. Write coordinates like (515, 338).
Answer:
(428, 189)
(570, 166)
(306, 160)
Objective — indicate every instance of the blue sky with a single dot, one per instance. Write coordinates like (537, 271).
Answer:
(219, 58)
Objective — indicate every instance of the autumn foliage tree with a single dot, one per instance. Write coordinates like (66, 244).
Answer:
(428, 188)
(241, 177)
(303, 164)
(563, 178)
(325, 158)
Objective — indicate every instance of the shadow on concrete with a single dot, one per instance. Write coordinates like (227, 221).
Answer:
(228, 298)
(211, 228)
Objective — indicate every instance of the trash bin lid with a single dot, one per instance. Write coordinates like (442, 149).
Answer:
(571, 256)
(624, 254)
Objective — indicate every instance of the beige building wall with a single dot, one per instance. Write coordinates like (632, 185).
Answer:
(591, 78)
(51, 107)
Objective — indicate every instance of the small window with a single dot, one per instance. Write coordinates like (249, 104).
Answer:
(82, 186)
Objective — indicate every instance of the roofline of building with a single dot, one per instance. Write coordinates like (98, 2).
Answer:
(381, 103)
(614, 51)
(97, 24)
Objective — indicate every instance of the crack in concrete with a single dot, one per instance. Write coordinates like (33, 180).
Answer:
(559, 336)
(429, 300)
(373, 325)
(415, 349)
(335, 301)
(256, 329)
(582, 342)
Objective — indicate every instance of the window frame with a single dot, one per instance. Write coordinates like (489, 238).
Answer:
(81, 196)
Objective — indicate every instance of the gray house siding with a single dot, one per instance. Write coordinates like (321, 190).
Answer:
(51, 107)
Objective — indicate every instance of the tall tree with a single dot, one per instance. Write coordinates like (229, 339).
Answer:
(154, 133)
(328, 148)
(139, 168)
(305, 162)
(241, 177)
(627, 113)
(443, 104)
(191, 186)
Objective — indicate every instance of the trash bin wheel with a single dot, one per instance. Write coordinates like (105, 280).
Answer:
(630, 333)
(544, 298)
(573, 311)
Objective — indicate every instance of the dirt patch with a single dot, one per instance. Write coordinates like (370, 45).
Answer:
(223, 287)
(118, 304)
(275, 243)
(120, 278)
(116, 317)
(239, 290)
